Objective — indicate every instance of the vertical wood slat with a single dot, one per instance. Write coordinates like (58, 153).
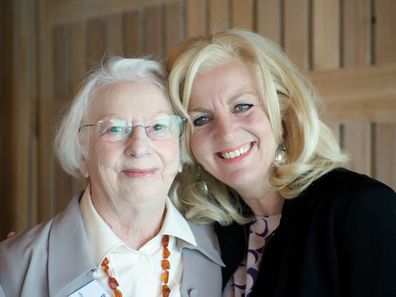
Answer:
(132, 33)
(218, 15)
(174, 26)
(153, 38)
(113, 35)
(357, 51)
(385, 52)
(326, 34)
(45, 121)
(7, 169)
(78, 61)
(296, 32)
(195, 18)
(325, 51)
(61, 70)
(95, 41)
(269, 19)
(23, 79)
(242, 14)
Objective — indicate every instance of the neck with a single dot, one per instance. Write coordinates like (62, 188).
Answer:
(134, 223)
(264, 202)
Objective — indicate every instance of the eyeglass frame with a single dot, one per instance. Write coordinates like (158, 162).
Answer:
(131, 126)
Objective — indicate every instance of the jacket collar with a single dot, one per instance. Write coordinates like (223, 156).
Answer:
(70, 264)
(206, 242)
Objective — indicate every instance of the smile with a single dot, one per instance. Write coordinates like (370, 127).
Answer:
(236, 153)
(139, 173)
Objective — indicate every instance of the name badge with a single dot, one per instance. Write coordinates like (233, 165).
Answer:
(92, 289)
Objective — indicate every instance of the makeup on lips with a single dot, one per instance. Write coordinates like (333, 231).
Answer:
(236, 154)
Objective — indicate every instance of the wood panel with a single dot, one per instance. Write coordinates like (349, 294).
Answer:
(296, 31)
(218, 15)
(132, 33)
(242, 14)
(113, 35)
(326, 34)
(385, 53)
(360, 94)
(153, 40)
(54, 43)
(45, 203)
(175, 29)
(7, 169)
(325, 45)
(269, 20)
(195, 18)
(356, 49)
(63, 12)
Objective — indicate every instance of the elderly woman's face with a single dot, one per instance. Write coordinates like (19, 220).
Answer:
(135, 162)
(232, 137)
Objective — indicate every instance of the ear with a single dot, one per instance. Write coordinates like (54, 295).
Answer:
(84, 169)
(180, 168)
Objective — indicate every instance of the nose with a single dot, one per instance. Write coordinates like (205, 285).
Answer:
(138, 142)
(225, 127)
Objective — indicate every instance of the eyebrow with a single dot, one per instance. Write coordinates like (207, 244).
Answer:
(151, 115)
(229, 101)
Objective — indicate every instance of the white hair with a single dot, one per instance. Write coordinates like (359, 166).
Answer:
(69, 145)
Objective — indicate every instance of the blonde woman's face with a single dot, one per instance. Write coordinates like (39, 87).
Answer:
(232, 137)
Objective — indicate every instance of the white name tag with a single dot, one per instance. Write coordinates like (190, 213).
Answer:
(92, 289)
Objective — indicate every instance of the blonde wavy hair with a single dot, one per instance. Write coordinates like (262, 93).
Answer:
(290, 103)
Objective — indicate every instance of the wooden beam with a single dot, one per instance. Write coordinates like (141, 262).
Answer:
(67, 11)
(359, 94)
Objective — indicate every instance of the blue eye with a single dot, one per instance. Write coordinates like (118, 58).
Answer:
(115, 129)
(159, 127)
(200, 121)
(242, 107)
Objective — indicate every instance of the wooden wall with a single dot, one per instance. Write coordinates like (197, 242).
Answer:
(347, 47)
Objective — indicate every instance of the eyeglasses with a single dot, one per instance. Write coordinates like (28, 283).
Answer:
(162, 127)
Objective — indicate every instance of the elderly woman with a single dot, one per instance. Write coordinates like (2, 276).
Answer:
(122, 236)
(262, 164)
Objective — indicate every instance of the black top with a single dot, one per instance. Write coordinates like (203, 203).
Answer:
(338, 238)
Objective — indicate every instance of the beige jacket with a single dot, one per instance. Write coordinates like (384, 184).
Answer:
(53, 259)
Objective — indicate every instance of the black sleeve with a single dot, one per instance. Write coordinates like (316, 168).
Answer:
(367, 242)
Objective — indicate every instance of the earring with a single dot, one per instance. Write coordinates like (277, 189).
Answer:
(280, 155)
(201, 183)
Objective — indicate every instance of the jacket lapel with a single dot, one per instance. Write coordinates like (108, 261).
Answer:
(201, 264)
(70, 265)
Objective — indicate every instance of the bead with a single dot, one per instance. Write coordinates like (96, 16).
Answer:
(165, 276)
(113, 283)
(117, 293)
(106, 269)
(165, 241)
(165, 291)
(165, 253)
(165, 264)
(105, 262)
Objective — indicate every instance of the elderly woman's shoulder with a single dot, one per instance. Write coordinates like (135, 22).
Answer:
(24, 243)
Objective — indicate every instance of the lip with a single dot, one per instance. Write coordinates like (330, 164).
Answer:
(236, 154)
(139, 173)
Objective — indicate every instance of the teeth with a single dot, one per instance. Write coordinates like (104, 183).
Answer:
(237, 153)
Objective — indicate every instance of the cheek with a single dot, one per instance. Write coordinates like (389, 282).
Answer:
(104, 155)
(170, 156)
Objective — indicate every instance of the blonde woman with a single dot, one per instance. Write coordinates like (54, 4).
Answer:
(261, 163)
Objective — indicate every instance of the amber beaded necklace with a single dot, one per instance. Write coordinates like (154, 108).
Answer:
(165, 265)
